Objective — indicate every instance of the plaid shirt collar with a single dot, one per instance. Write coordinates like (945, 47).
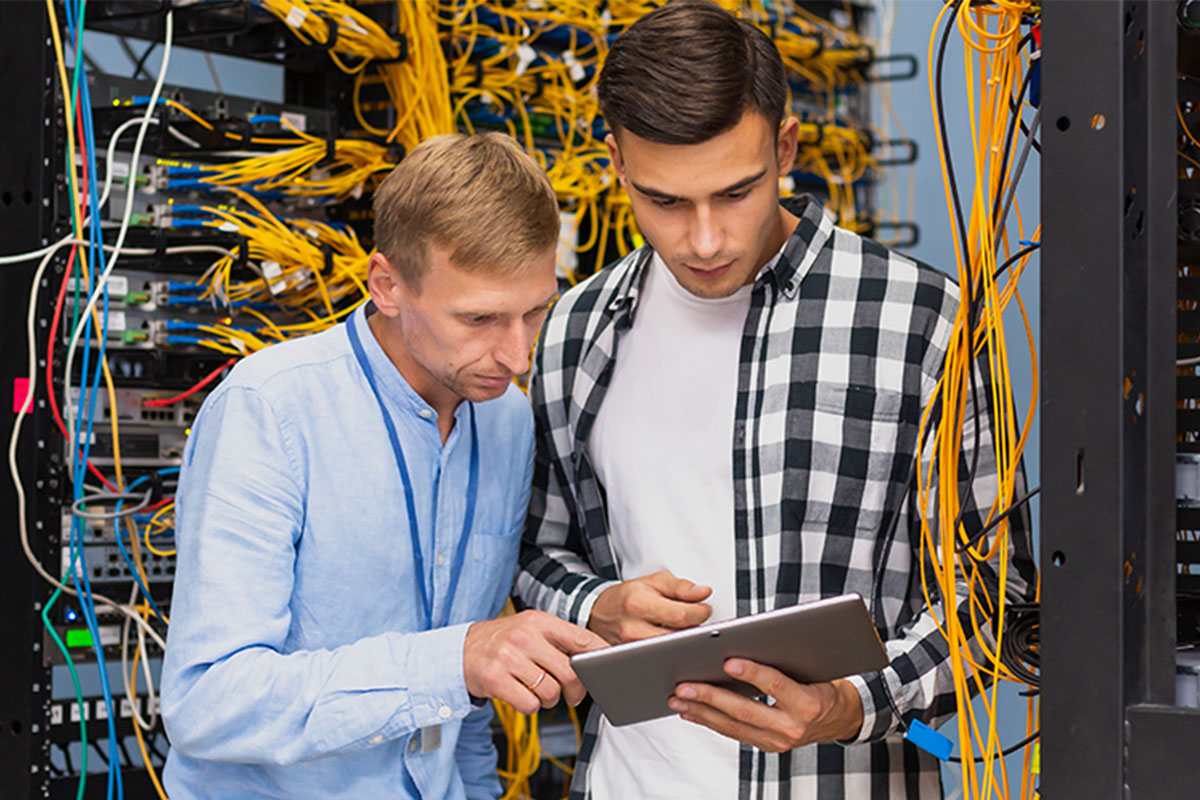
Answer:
(787, 272)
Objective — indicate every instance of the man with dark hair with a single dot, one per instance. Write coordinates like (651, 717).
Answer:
(726, 423)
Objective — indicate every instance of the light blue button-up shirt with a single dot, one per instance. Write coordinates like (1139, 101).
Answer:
(296, 664)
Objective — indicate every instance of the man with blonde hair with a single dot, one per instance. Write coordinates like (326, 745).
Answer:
(349, 511)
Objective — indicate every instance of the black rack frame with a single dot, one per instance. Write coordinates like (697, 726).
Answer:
(1110, 728)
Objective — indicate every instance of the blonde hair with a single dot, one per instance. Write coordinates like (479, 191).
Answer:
(480, 196)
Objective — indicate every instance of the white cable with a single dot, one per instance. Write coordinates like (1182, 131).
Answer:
(144, 657)
(129, 196)
(19, 258)
(14, 439)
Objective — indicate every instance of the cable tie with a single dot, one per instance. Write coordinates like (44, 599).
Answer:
(327, 258)
(401, 40)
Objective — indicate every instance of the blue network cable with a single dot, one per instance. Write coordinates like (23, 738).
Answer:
(121, 546)
(74, 18)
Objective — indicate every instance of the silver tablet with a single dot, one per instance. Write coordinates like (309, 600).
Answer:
(810, 642)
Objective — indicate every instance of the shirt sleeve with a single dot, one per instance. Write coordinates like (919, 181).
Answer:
(554, 575)
(919, 678)
(230, 689)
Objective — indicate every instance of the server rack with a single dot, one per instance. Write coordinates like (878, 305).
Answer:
(1110, 726)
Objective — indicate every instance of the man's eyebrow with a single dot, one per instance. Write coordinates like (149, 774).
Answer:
(655, 193)
(469, 312)
(649, 192)
(743, 183)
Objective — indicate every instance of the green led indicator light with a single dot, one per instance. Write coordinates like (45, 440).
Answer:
(79, 637)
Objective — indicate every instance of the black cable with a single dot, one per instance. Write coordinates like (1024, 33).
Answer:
(1020, 650)
(1024, 742)
(152, 743)
(51, 767)
(139, 67)
(941, 120)
(66, 750)
(1008, 136)
(1025, 130)
(1017, 256)
(978, 537)
(962, 232)
(124, 752)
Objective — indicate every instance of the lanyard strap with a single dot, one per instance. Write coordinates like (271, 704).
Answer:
(410, 501)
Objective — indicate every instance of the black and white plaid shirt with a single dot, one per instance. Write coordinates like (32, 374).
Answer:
(841, 351)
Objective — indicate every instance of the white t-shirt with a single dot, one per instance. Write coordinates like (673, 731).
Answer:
(662, 446)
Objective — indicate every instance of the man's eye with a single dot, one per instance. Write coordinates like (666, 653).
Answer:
(665, 203)
(737, 195)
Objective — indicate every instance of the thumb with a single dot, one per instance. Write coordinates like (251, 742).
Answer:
(682, 589)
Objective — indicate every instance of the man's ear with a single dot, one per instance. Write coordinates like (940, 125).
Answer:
(786, 144)
(614, 153)
(386, 285)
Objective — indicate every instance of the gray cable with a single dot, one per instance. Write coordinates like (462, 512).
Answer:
(111, 497)
(1012, 186)
(212, 69)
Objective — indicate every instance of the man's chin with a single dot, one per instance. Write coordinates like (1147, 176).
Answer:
(481, 393)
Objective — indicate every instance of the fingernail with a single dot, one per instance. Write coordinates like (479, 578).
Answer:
(734, 668)
(677, 705)
(686, 692)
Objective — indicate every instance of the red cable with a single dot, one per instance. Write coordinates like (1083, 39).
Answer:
(205, 381)
(62, 293)
(157, 505)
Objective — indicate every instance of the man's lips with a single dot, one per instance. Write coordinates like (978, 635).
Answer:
(712, 272)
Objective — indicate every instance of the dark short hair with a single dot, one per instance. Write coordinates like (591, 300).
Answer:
(688, 71)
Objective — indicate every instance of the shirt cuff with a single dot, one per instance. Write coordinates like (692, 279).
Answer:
(441, 694)
(878, 719)
(588, 601)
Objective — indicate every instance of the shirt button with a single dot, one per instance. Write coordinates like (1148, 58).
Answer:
(377, 740)
(444, 712)
(441, 559)
(425, 413)
(413, 744)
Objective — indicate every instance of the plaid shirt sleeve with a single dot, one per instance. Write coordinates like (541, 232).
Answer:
(563, 570)
(919, 678)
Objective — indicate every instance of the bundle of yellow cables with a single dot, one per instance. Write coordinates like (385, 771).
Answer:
(994, 67)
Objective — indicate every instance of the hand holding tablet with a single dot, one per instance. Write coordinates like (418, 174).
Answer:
(809, 643)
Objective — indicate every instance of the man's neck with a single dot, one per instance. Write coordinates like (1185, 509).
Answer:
(780, 233)
(387, 332)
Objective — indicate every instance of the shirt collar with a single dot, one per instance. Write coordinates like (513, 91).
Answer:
(392, 385)
(799, 252)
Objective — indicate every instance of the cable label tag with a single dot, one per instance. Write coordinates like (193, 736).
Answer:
(295, 119)
(296, 16)
(117, 284)
(20, 394)
(929, 740)
(525, 57)
(351, 23)
(578, 73)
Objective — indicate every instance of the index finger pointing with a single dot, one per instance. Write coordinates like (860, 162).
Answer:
(572, 639)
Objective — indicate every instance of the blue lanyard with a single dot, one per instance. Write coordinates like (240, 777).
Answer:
(410, 503)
